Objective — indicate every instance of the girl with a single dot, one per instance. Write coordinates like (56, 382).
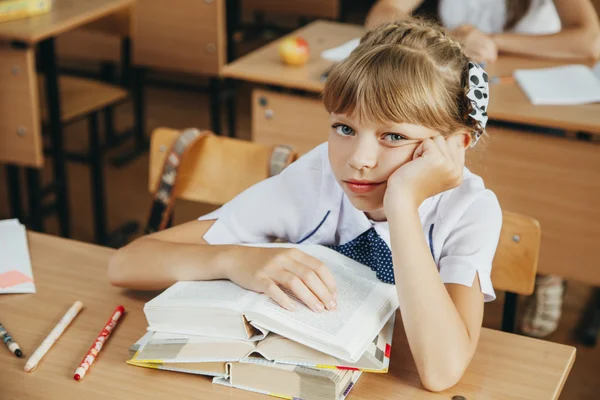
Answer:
(561, 29)
(389, 188)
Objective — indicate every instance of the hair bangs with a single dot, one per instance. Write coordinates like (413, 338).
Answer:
(390, 83)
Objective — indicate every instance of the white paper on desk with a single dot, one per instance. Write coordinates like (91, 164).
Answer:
(342, 52)
(566, 85)
(16, 275)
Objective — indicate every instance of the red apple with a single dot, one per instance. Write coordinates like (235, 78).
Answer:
(294, 50)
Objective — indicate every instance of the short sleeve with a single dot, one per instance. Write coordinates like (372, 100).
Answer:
(279, 207)
(471, 245)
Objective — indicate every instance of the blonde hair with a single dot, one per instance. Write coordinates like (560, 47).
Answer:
(409, 71)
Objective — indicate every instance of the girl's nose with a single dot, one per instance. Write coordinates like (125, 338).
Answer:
(364, 153)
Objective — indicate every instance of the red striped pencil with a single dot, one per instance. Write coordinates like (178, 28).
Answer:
(92, 353)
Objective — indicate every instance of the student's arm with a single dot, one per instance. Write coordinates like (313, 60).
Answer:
(390, 10)
(158, 260)
(578, 38)
(442, 322)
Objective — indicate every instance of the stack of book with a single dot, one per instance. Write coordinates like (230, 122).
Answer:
(16, 9)
(245, 340)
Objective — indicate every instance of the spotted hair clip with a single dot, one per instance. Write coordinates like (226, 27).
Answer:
(479, 95)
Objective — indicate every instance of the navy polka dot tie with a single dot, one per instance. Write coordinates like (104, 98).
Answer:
(371, 250)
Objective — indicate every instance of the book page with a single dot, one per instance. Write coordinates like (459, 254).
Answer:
(210, 294)
(16, 275)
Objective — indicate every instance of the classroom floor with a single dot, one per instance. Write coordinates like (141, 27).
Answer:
(128, 198)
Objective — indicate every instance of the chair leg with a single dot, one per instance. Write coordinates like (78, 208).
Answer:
(36, 215)
(590, 325)
(215, 105)
(97, 180)
(509, 316)
(231, 107)
(14, 192)
(108, 75)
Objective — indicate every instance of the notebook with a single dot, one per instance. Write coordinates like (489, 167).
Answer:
(340, 53)
(566, 85)
(210, 354)
(16, 275)
(222, 309)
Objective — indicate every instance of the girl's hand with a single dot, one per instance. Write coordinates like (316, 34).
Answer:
(478, 46)
(437, 166)
(264, 269)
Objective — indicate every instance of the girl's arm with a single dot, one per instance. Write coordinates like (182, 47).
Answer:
(578, 38)
(442, 322)
(390, 10)
(158, 260)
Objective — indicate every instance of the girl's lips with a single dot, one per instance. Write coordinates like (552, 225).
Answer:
(360, 187)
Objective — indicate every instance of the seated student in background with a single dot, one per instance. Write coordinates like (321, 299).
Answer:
(562, 29)
(389, 189)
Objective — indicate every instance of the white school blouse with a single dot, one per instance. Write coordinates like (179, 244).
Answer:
(489, 16)
(305, 204)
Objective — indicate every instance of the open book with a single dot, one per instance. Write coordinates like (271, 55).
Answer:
(164, 349)
(566, 85)
(223, 309)
(254, 373)
(291, 382)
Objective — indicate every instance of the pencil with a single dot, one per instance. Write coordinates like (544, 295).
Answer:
(64, 322)
(92, 353)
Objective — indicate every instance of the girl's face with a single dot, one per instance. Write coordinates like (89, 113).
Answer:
(363, 155)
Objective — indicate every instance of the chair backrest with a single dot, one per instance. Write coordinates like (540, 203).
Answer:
(214, 170)
(515, 263)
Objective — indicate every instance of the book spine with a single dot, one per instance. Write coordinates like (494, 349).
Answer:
(16, 9)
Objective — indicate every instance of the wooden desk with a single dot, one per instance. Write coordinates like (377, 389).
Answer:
(563, 172)
(508, 102)
(20, 128)
(505, 366)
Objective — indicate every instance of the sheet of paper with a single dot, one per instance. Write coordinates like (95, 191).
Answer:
(16, 275)
(566, 85)
(340, 53)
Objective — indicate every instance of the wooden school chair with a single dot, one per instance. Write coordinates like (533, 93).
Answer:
(216, 169)
(206, 168)
(515, 264)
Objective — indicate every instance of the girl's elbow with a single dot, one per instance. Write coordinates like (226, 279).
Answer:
(440, 377)
(595, 46)
(116, 275)
(591, 45)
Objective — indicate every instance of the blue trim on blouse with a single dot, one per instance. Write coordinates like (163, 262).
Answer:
(431, 240)
(316, 229)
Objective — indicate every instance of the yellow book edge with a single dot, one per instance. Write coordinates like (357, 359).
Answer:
(18, 9)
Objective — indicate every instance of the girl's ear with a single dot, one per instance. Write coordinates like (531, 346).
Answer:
(466, 138)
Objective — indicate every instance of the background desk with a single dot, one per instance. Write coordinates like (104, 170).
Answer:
(20, 122)
(505, 366)
(553, 179)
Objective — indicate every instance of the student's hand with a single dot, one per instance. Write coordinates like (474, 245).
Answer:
(437, 166)
(264, 269)
(478, 46)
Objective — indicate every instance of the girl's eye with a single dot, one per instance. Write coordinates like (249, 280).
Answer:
(394, 137)
(343, 130)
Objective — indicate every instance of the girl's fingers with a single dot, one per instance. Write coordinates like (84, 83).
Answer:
(271, 289)
(318, 267)
(297, 286)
